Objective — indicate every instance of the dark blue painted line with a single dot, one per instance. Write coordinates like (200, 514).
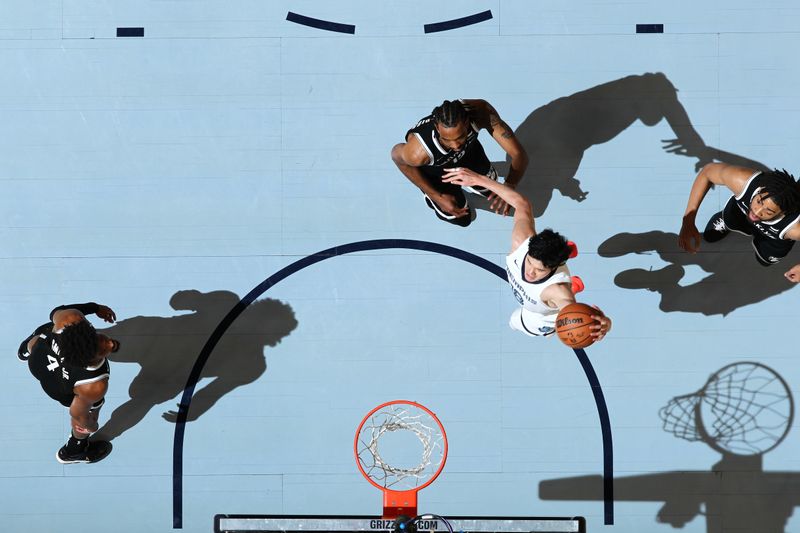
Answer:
(605, 427)
(320, 24)
(130, 32)
(361, 246)
(649, 28)
(458, 23)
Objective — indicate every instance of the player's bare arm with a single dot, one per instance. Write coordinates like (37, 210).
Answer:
(793, 274)
(66, 315)
(732, 177)
(489, 119)
(410, 155)
(560, 295)
(524, 227)
(84, 421)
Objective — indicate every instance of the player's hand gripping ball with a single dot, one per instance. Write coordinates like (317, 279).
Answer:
(574, 325)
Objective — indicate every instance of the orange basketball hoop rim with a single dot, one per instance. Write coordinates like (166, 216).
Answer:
(400, 485)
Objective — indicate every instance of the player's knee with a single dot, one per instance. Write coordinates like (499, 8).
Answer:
(462, 221)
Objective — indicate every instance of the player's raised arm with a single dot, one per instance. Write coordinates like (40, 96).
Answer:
(489, 118)
(524, 226)
(733, 177)
(504, 135)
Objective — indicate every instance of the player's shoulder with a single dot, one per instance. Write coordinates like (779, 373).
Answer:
(66, 317)
(559, 290)
(732, 176)
(94, 390)
(413, 152)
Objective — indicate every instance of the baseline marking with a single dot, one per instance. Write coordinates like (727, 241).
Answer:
(362, 246)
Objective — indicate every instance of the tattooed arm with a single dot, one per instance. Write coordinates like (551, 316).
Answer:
(487, 117)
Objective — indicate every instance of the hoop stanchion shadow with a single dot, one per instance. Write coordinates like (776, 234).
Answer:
(362, 246)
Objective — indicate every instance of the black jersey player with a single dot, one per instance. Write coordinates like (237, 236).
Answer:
(764, 205)
(448, 138)
(68, 357)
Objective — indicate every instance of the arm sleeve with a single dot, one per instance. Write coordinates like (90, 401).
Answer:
(88, 308)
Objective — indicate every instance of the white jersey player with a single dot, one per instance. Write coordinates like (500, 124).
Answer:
(536, 266)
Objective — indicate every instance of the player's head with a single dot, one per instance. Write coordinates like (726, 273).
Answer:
(779, 194)
(78, 343)
(547, 250)
(452, 124)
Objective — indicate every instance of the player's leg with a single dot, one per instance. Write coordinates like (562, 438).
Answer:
(79, 447)
(770, 251)
(729, 219)
(477, 161)
(434, 177)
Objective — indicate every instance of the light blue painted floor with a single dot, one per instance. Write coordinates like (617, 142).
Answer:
(229, 143)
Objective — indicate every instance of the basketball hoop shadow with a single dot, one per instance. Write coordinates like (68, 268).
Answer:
(743, 411)
(361, 246)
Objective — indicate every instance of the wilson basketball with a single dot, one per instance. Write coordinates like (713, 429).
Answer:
(573, 325)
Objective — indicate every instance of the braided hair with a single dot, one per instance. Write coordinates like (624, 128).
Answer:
(782, 188)
(550, 248)
(78, 343)
(450, 114)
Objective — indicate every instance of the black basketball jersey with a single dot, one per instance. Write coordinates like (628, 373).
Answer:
(56, 376)
(440, 156)
(772, 229)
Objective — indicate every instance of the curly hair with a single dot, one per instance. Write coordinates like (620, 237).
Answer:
(450, 113)
(78, 343)
(549, 247)
(783, 189)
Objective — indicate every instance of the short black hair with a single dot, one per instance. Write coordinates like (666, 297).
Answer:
(450, 114)
(550, 248)
(78, 344)
(782, 188)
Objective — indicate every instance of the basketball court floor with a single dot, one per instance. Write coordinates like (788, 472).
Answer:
(170, 173)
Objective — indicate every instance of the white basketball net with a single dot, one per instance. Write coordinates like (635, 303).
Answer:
(400, 417)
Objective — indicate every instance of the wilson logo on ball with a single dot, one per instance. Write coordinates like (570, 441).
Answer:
(567, 321)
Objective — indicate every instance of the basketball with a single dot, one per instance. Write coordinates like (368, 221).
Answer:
(573, 325)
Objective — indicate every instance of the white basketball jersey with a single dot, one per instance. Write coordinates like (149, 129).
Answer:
(528, 294)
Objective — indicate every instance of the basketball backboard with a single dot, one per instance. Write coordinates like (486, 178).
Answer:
(349, 524)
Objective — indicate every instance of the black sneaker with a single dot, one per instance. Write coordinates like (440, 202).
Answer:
(716, 230)
(96, 451)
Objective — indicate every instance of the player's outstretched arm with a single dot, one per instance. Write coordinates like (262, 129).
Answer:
(733, 177)
(560, 295)
(488, 118)
(523, 212)
(64, 315)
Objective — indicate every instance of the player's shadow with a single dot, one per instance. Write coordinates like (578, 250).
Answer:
(734, 279)
(744, 411)
(166, 348)
(557, 135)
